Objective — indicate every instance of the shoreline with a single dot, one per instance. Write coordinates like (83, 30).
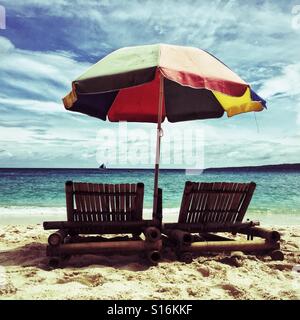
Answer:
(25, 274)
(23, 215)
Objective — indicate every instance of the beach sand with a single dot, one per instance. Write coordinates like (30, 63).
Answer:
(24, 273)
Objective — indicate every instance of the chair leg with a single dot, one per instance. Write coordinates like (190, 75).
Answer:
(185, 256)
(153, 257)
(277, 255)
(250, 237)
(152, 234)
(54, 262)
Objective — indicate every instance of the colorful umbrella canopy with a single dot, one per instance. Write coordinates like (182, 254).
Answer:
(153, 82)
(124, 86)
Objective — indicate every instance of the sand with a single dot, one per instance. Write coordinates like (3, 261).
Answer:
(24, 273)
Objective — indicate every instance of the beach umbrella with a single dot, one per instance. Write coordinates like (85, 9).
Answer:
(152, 83)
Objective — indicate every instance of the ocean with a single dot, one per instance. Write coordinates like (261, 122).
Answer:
(35, 195)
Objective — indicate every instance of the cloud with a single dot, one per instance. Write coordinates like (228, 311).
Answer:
(285, 83)
(47, 44)
(236, 31)
(39, 76)
(284, 88)
(32, 105)
(4, 154)
(6, 46)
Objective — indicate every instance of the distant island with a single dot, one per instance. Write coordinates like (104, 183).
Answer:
(270, 167)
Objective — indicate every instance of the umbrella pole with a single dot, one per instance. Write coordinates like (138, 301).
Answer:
(158, 139)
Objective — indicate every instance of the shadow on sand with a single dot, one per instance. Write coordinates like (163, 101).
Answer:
(34, 255)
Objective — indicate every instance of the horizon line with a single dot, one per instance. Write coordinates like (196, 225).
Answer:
(182, 169)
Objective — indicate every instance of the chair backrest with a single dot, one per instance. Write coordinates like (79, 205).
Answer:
(93, 202)
(217, 202)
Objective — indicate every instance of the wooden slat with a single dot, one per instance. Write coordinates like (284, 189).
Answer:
(107, 198)
(245, 189)
(216, 206)
(232, 211)
(206, 187)
(200, 198)
(208, 202)
(218, 201)
(236, 203)
(92, 187)
(81, 204)
(87, 216)
(224, 203)
(69, 189)
(242, 200)
(84, 187)
(133, 201)
(97, 202)
(139, 199)
(102, 201)
(244, 206)
(90, 201)
(185, 203)
(188, 214)
(122, 202)
(224, 198)
(77, 203)
(127, 202)
(108, 202)
(194, 202)
(77, 198)
(228, 188)
(233, 199)
(212, 204)
(117, 203)
(201, 201)
(112, 203)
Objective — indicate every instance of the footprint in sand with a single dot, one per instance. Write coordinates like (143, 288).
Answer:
(169, 290)
(28, 272)
(291, 244)
(233, 290)
(90, 280)
(204, 270)
(281, 266)
(7, 289)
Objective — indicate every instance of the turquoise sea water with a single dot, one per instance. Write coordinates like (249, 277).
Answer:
(30, 192)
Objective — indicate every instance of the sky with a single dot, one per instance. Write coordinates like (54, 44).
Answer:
(47, 44)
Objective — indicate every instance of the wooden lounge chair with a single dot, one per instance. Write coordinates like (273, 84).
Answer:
(96, 209)
(208, 208)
